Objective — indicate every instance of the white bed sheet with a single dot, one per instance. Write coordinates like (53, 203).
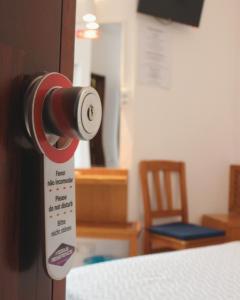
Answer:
(200, 274)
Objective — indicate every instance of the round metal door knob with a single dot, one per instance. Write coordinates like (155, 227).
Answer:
(74, 112)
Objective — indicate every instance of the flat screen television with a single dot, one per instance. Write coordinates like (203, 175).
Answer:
(183, 11)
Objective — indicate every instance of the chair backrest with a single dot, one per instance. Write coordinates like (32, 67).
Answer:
(161, 175)
(234, 189)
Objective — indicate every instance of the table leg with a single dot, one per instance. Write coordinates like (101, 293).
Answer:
(133, 246)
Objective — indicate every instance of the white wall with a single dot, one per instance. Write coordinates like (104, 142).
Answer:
(82, 72)
(197, 119)
(106, 54)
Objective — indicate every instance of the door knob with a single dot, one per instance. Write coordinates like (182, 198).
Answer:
(72, 112)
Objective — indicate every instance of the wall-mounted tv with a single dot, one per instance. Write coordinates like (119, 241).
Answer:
(183, 11)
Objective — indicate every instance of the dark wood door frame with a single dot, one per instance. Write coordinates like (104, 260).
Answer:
(96, 144)
(68, 38)
(35, 36)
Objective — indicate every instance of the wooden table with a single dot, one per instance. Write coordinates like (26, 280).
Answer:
(128, 231)
(101, 195)
(101, 205)
(230, 223)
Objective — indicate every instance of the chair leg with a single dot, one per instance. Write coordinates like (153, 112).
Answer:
(133, 246)
(147, 242)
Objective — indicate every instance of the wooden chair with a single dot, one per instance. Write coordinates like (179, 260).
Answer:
(101, 205)
(177, 235)
(229, 222)
(234, 189)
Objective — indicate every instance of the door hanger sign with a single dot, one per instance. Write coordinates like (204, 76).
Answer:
(57, 116)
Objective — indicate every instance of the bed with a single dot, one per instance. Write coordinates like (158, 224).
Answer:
(203, 273)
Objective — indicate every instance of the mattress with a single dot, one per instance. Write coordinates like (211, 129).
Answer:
(204, 273)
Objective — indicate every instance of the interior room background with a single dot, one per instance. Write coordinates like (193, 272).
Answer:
(196, 119)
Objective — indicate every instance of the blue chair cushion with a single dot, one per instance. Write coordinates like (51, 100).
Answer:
(183, 231)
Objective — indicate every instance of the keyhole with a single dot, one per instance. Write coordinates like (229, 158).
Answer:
(90, 113)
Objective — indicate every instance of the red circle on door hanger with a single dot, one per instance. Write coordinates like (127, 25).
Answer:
(46, 84)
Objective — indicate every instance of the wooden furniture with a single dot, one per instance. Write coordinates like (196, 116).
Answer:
(96, 144)
(128, 231)
(234, 189)
(35, 37)
(101, 205)
(161, 173)
(229, 222)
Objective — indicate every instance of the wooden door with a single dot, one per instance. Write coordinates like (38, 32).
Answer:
(35, 36)
(96, 144)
